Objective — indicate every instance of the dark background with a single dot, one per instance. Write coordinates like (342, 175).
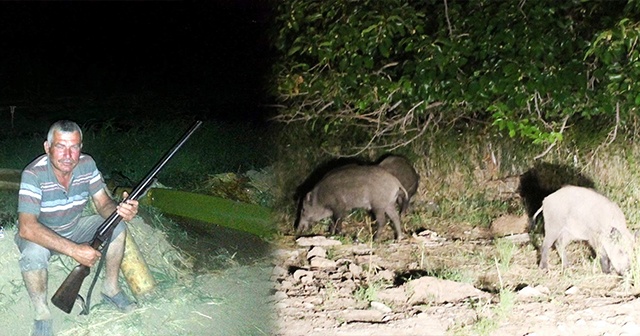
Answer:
(207, 59)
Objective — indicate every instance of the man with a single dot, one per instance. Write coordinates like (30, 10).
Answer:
(54, 190)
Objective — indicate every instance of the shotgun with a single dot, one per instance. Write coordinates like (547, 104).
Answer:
(66, 295)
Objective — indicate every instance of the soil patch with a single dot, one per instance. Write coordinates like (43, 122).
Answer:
(450, 282)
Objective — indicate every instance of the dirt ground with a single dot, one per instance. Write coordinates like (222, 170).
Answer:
(324, 287)
(230, 301)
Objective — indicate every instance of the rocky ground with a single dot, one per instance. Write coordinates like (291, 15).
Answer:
(446, 283)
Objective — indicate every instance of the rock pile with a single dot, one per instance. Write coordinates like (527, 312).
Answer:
(325, 284)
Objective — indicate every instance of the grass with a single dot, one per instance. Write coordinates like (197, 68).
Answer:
(132, 150)
(491, 315)
(486, 325)
(8, 209)
(490, 320)
(506, 249)
(368, 292)
(632, 280)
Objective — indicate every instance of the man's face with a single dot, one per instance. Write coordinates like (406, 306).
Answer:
(64, 151)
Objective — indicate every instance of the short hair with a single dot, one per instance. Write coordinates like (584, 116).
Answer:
(64, 126)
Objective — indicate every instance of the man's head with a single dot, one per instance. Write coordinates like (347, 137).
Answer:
(63, 145)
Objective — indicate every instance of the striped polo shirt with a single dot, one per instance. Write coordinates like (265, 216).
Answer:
(41, 194)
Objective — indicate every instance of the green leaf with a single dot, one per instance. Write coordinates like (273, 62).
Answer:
(293, 50)
(368, 29)
(384, 48)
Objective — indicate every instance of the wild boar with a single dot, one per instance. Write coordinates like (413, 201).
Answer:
(576, 213)
(350, 187)
(402, 169)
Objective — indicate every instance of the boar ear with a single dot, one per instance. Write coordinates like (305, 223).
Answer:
(615, 234)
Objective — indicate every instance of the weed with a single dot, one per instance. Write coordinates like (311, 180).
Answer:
(506, 250)
(487, 324)
(331, 253)
(329, 292)
(422, 251)
(367, 292)
(632, 278)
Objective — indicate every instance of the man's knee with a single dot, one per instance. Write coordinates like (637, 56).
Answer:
(34, 257)
(119, 229)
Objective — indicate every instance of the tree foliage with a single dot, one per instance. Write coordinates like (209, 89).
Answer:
(391, 70)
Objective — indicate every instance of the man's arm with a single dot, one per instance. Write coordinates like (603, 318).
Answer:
(31, 230)
(105, 206)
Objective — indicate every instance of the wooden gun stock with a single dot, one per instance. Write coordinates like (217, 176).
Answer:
(66, 295)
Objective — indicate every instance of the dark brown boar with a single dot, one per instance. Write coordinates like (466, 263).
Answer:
(350, 187)
(403, 170)
(577, 213)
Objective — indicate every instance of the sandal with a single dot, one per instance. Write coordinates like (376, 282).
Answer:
(120, 301)
(42, 328)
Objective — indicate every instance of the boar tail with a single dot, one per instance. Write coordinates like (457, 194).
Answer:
(532, 220)
(403, 200)
(406, 194)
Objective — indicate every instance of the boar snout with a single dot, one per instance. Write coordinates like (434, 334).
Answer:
(303, 225)
(303, 219)
(618, 251)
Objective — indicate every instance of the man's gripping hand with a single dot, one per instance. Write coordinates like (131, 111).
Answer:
(85, 254)
(127, 209)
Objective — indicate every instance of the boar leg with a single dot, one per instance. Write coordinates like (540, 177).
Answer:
(395, 219)
(605, 264)
(561, 245)
(546, 246)
(333, 228)
(336, 224)
(381, 220)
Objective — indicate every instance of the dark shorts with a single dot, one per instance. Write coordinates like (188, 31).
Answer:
(35, 257)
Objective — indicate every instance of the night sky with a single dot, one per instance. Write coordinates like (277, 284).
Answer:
(211, 56)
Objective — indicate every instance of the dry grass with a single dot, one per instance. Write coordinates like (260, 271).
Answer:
(183, 303)
(167, 259)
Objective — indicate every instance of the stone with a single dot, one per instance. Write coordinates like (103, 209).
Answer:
(395, 296)
(321, 263)
(355, 270)
(381, 307)
(316, 251)
(427, 290)
(362, 315)
(302, 274)
(317, 241)
(509, 225)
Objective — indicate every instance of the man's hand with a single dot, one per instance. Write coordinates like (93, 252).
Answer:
(31, 230)
(128, 209)
(85, 254)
